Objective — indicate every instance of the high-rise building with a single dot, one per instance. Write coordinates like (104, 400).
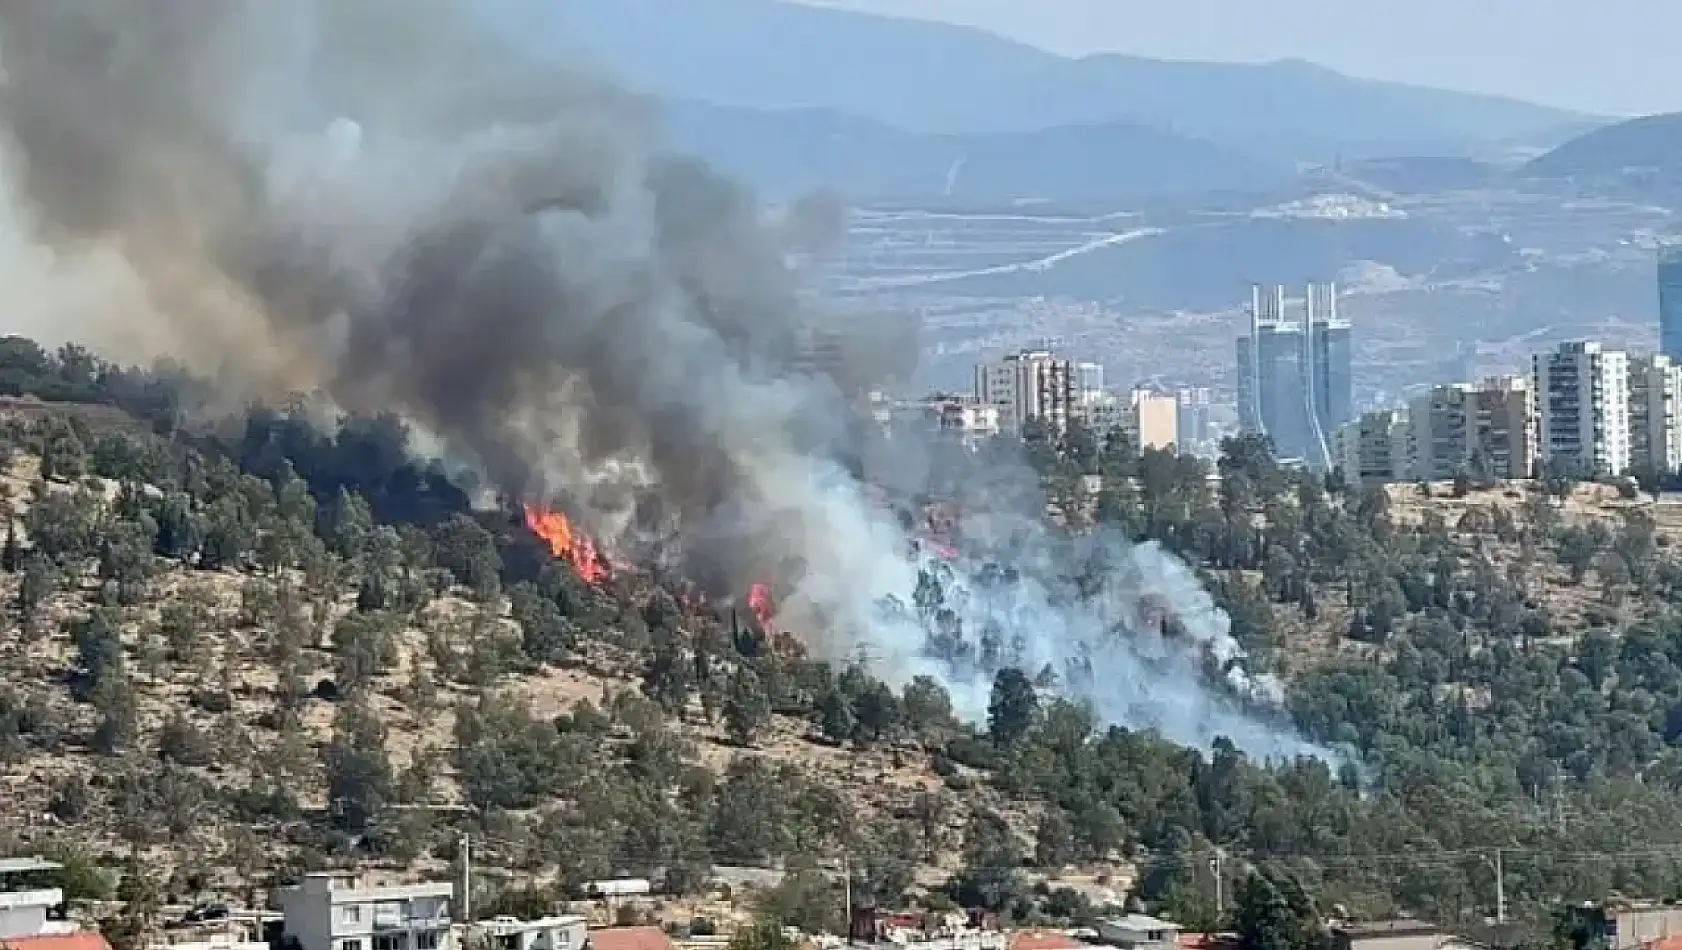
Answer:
(1372, 448)
(1333, 357)
(1295, 379)
(1655, 413)
(1670, 301)
(1196, 425)
(1028, 385)
(1482, 429)
(1582, 405)
(1089, 377)
(1154, 419)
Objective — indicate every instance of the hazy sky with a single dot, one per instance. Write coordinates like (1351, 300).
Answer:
(1610, 56)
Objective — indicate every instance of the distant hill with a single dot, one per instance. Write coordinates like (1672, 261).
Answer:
(790, 152)
(930, 77)
(1649, 144)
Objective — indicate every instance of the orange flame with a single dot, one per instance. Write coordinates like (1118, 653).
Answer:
(759, 604)
(566, 543)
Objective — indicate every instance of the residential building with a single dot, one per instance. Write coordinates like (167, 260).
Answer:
(964, 417)
(1028, 385)
(566, 932)
(1105, 412)
(1153, 418)
(336, 911)
(1139, 932)
(1483, 429)
(1625, 925)
(1089, 377)
(1402, 934)
(1372, 449)
(26, 910)
(1655, 413)
(1670, 301)
(1295, 376)
(1582, 403)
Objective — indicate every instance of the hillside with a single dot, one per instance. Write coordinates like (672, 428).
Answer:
(1649, 146)
(237, 652)
(786, 153)
(938, 78)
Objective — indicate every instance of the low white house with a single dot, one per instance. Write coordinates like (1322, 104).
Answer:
(546, 933)
(26, 912)
(1139, 932)
(336, 911)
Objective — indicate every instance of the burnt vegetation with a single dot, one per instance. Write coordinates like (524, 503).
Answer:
(257, 648)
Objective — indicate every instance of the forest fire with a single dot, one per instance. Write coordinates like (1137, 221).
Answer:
(567, 543)
(759, 604)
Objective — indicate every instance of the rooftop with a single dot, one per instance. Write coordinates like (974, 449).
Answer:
(630, 938)
(1140, 922)
(1387, 928)
(80, 940)
(23, 865)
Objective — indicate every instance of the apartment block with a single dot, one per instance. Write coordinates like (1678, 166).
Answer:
(1104, 412)
(1028, 385)
(1483, 428)
(1655, 413)
(1582, 404)
(1153, 419)
(1372, 449)
(965, 417)
(335, 911)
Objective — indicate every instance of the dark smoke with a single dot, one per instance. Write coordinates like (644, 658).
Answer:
(384, 201)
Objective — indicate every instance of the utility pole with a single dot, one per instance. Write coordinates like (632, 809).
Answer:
(1217, 866)
(464, 845)
(1500, 891)
(847, 889)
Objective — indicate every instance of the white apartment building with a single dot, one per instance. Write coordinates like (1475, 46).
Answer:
(335, 911)
(1582, 405)
(547, 933)
(966, 417)
(1030, 384)
(1655, 413)
(1484, 428)
(1372, 448)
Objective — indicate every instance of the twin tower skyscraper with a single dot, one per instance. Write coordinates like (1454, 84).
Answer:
(1295, 382)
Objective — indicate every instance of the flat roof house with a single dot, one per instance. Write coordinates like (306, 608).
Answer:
(336, 911)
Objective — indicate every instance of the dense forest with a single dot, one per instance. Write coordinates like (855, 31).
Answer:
(1479, 712)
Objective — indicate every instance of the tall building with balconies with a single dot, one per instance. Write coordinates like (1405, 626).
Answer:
(1028, 385)
(1484, 429)
(1582, 409)
(1655, 413)
(1372, 448)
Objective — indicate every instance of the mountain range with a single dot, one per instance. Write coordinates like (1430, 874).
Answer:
(789, 94)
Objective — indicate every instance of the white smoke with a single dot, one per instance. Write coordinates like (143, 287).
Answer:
(382, 201)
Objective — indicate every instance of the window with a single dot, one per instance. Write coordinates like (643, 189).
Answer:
(350, 945)
(388, 942)
(351, 914)
(426, 940)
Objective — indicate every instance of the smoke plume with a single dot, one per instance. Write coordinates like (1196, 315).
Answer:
(386, 201)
